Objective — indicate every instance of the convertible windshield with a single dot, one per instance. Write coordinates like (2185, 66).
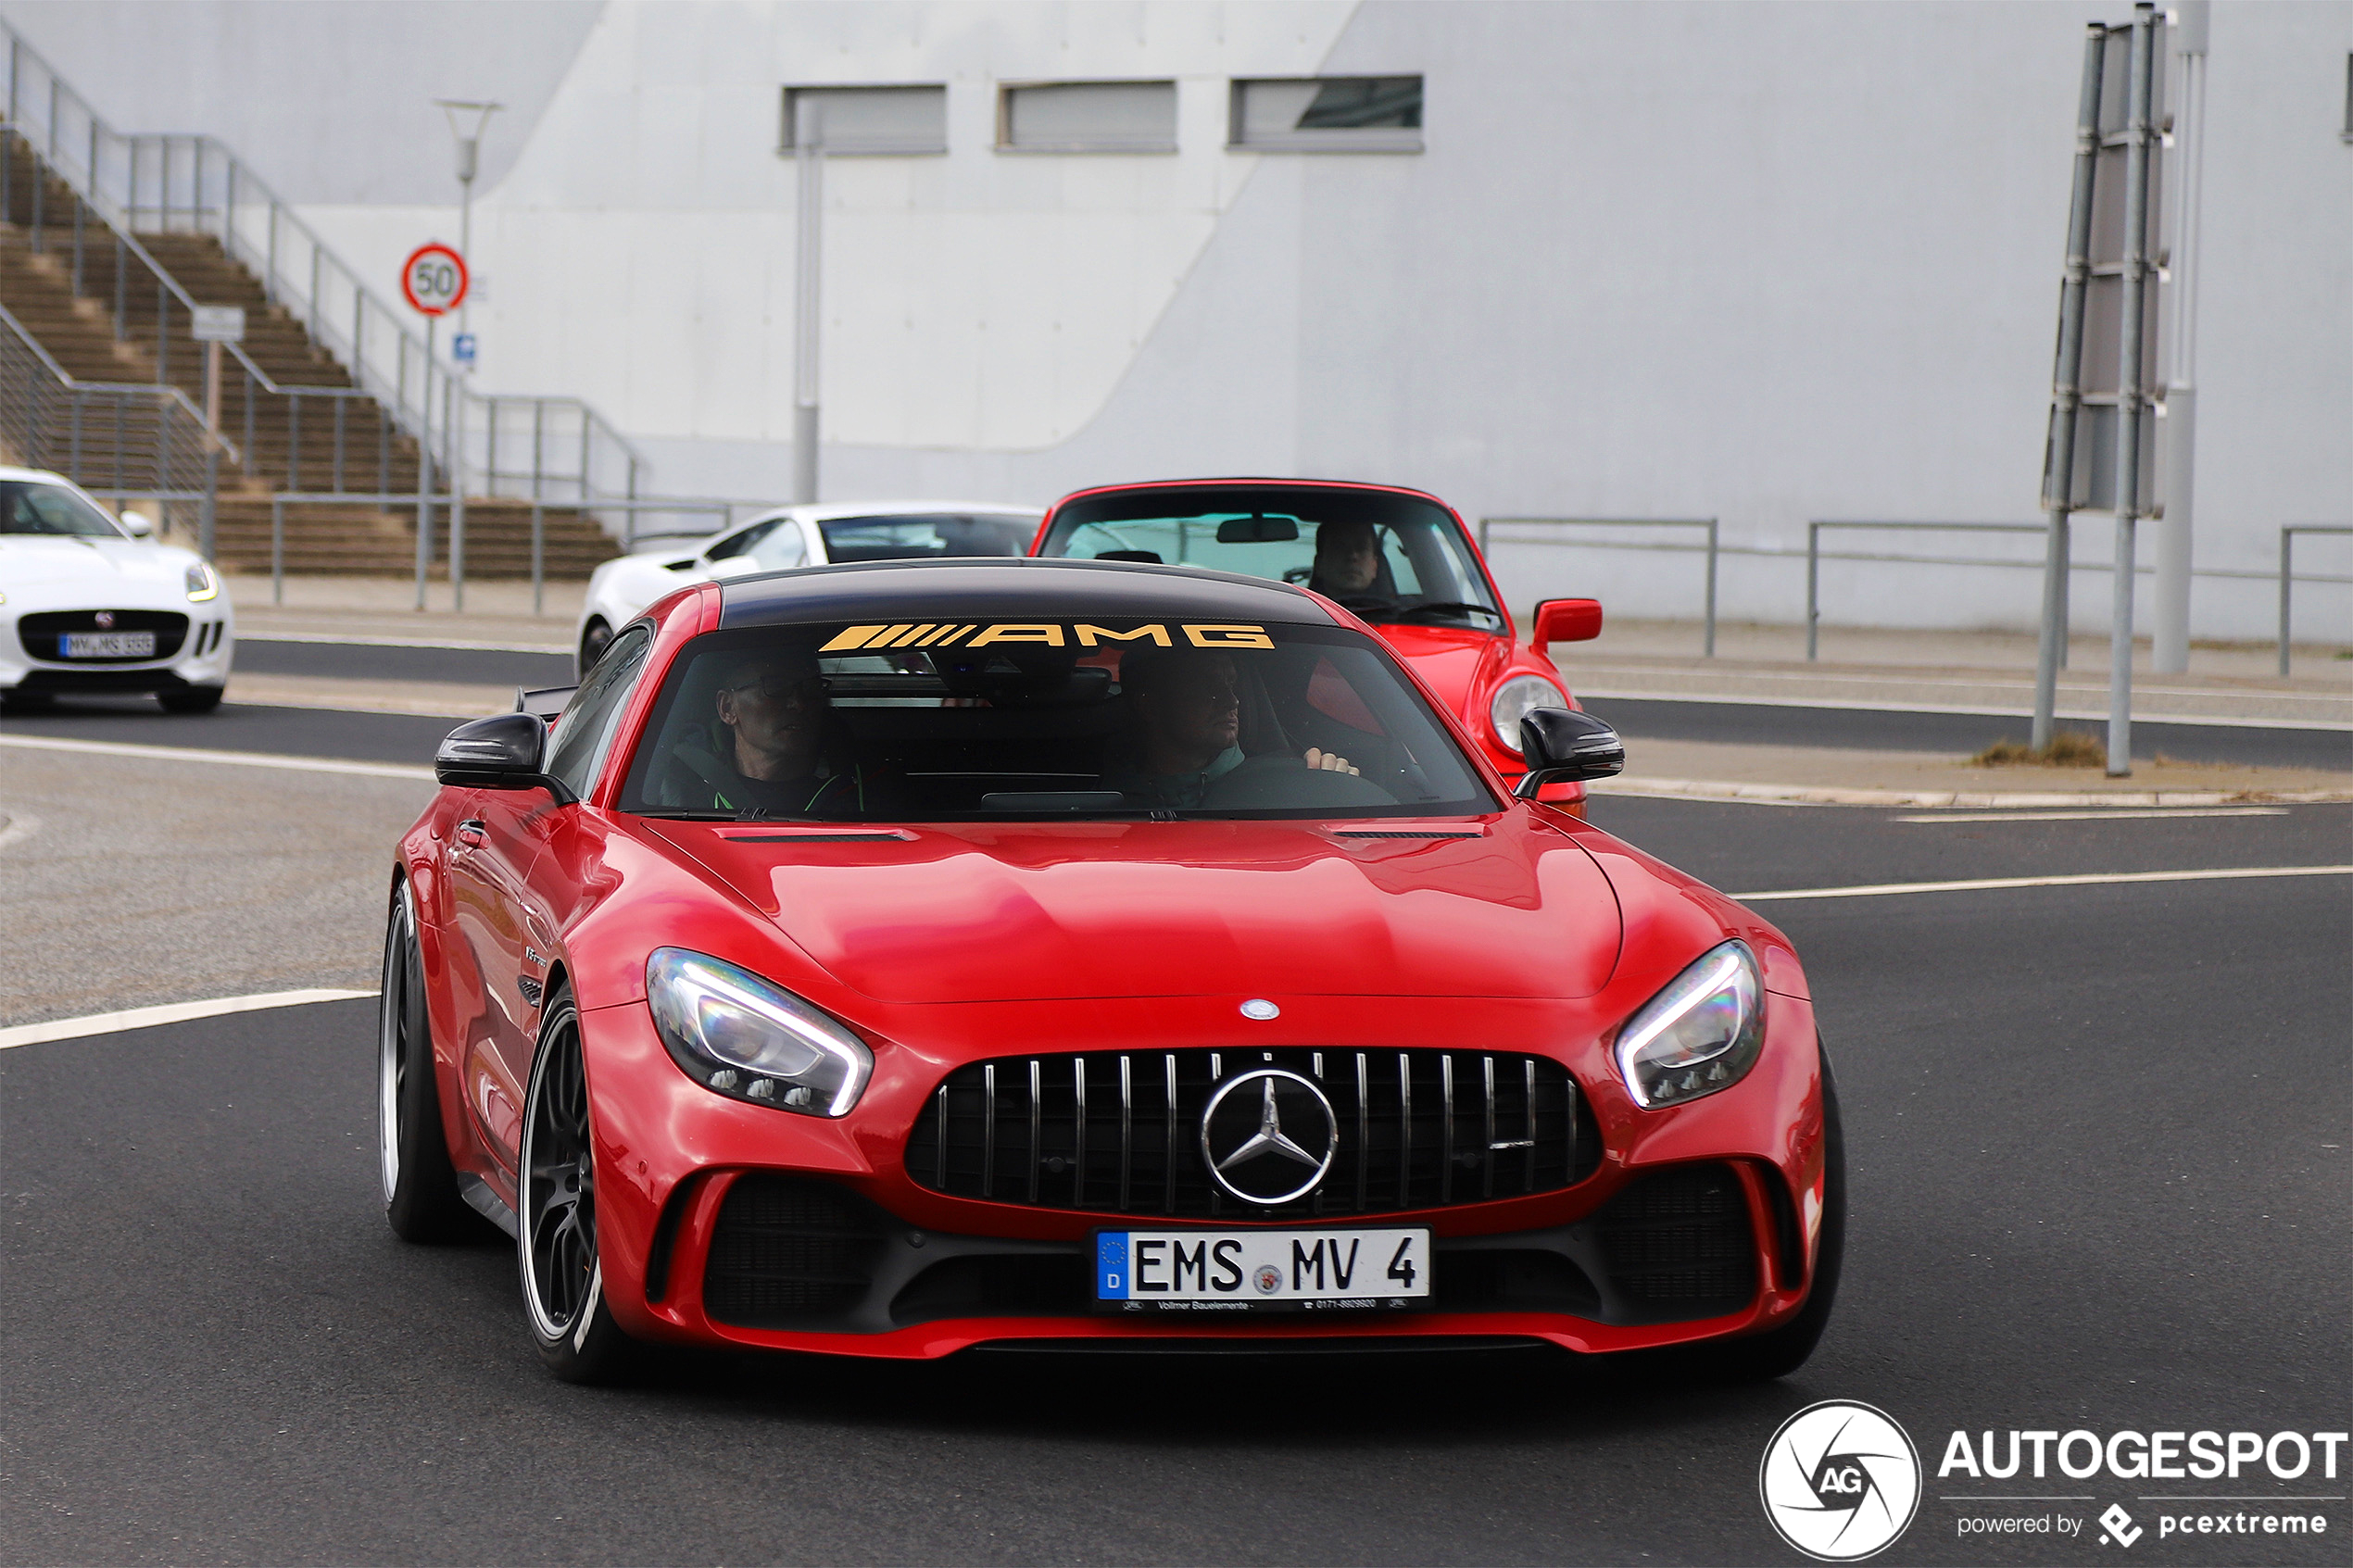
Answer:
(1386, 557)
(51, 509)
(1055, 718)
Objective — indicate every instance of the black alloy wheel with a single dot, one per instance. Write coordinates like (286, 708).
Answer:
(420, 1186)
(562, 1276)
(594, 639)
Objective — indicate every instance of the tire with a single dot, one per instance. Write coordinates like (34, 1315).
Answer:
(562, 1274)
(594, 639)
(1777, 1352)
(195, 699)
(420, 1185)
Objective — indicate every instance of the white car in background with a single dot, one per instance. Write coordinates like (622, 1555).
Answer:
(809, 536)
(90, 605)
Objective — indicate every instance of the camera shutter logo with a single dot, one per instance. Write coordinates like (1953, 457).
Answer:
(1839, 1481)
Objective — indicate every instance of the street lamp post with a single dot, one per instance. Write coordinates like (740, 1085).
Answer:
(469, 135)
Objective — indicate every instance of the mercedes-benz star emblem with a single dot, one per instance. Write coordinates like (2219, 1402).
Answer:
(1268, 1136)
(106, 619)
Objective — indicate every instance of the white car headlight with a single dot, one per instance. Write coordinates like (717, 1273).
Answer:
(1700, 1035)
(739, 1035)
(202, 583)
(1512, 702)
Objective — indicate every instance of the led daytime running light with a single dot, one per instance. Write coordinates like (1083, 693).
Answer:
(740, 1037)
(1700, 1035)
(202, 583)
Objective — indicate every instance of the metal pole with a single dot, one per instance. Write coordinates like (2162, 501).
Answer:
(2287, 536)
(277, 549)
(1813, 588)
(453, 410)
(2170, 606)
(539, 555)
(1710, 652)
(2050, 653)
(2130, 395)
(424, 467)
(809, 155)
(208, 516)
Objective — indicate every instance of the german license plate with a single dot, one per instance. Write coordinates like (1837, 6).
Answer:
(1203, 1271)
(109, 644)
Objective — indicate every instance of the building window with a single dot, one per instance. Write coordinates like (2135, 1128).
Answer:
(1354, 114)
(1086, 116)
(857, 122)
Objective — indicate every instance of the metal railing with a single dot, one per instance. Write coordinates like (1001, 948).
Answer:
(118, 441)
(1814, 558)
(1710, 548)
(2287, 575)
(171, 184)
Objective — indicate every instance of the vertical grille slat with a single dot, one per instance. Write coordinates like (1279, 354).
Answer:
(980, 1138)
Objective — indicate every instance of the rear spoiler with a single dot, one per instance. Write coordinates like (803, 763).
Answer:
(547, 703)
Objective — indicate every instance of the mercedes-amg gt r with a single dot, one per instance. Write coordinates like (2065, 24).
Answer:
(887, 960)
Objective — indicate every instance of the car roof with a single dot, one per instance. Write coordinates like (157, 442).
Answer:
(830, 511)
(1247, 481)
(41, 476)
(982, 586)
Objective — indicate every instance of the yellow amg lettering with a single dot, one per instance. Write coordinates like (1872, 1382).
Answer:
(909, 640)
(1087, 635)
(852, 638)
(1215, 635)
(1024, 633)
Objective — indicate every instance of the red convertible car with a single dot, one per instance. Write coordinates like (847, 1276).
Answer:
(885, 959)
(1400, 559)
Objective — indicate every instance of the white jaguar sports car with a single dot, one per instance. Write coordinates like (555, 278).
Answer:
(811, 535)
(92, 605)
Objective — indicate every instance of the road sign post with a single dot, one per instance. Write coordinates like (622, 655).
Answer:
(433, 280)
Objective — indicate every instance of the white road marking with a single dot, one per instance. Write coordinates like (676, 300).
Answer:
(229, 759)
(1740, 794)
(2098, 816)
(2197, 720)
(172, 1012)
(1885, 889)
(17, 828)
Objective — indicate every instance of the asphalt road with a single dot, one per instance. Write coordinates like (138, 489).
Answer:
(2096, 1138)
(393, 661)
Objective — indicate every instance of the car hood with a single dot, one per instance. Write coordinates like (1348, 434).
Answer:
(1018, 912)
(109, 567)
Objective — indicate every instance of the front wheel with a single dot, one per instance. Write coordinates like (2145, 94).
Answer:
(195, 699)
(594, 639)
(563, 1294)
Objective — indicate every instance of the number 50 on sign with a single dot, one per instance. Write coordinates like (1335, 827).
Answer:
(434, 278)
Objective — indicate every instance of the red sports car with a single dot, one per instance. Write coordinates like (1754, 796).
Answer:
(1400, 559)
(885, 959)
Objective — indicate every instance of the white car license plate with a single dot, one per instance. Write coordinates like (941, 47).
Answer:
(1318, 1270)
(110, 644)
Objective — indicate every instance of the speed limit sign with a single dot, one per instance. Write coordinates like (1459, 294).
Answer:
(434, 278)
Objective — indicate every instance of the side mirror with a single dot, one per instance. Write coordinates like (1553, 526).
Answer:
(1560, 745)
(1567, 621)
(138, 525)
(502, 752)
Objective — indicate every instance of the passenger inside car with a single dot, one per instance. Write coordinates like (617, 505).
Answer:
(1187, 710)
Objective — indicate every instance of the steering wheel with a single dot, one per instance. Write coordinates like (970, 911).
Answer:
(1297, 573)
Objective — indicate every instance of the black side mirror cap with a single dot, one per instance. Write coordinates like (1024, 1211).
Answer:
(1562, 746)
(500, 752)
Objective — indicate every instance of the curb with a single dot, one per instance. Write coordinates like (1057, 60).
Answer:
(1803, 795)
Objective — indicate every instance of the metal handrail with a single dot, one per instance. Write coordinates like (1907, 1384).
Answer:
(2287, 538)
(103, 167)
(1814, 558)
(1711, 547)
(143, 389)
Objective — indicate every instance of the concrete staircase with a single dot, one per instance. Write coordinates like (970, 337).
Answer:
(291, 443)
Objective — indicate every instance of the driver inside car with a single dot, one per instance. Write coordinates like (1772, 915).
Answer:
(1347, 559)
(1187, 733)
(772, 751)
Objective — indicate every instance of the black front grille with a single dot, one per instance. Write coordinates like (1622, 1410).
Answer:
(1120, 1133)
(787, 1251)
(43, 635)
(1679, 1244)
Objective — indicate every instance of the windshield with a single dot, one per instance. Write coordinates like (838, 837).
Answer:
(51, 509)
(1387, 557)
(1055, 718)
(926, 537)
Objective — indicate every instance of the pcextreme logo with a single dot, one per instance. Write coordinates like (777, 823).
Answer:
(1839, 1481)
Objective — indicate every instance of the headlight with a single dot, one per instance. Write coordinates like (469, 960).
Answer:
(1512, 702)
(737, 1035)
(202, 583)
(1700, 1035)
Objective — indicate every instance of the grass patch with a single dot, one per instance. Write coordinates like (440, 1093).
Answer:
(2069, 748)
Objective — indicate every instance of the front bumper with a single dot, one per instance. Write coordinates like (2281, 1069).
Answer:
(202, 658)
(724, 1224)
